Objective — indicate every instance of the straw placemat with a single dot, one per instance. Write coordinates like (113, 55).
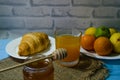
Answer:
(87, 69)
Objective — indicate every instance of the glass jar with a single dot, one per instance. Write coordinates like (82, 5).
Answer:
(39, 70)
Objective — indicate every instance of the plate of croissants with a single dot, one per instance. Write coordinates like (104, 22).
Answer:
(30, 44)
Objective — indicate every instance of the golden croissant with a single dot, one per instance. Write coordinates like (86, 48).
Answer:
(32, 43)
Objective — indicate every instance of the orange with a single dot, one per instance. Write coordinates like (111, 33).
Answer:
(103, 46)
(87, 42)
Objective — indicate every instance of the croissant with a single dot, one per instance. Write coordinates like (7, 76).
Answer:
(32, 43)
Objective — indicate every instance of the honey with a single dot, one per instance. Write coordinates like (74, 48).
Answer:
(39, 70)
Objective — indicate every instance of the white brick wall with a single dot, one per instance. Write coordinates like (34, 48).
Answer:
(105, 12)
(47, 14)
(111, 2)
(51, 2)
(87, 2)
(14, 2)
(32, 11)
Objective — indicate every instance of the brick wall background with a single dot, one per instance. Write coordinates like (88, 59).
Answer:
(24, 15)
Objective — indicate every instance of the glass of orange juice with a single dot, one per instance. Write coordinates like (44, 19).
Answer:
(69, 39)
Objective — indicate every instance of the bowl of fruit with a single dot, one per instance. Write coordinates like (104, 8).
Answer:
(101, 42)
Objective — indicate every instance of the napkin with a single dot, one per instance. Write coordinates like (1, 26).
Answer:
(3, 53)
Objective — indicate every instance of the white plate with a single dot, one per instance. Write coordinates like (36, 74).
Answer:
(12, 48)
(94, 55)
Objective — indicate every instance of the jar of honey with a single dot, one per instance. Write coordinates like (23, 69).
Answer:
(39, 70)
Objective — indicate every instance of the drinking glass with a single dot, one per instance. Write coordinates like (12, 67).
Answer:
(39, 70)
(70, 39)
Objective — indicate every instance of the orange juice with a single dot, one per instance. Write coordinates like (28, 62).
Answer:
(72, 44)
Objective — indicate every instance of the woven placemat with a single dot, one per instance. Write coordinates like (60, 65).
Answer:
(87, 69)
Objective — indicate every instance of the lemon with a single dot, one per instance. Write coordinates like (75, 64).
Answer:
(112, 30)
(115, 40)
(90, 31)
